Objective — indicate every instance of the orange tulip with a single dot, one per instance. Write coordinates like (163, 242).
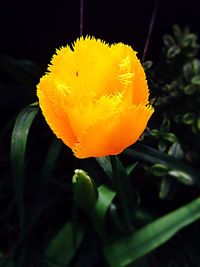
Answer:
(95, 97)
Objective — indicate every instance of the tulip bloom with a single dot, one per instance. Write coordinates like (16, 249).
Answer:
(95, 97)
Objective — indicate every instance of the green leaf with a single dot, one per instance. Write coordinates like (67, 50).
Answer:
(147, 65)
(164, 188)
(142, 217)
(189, 39)
(165, 125)
(182, 177)
(177, 32)
(190, 89)
(129, 249)
(130, 168)
(104, 162)
(170, 137)
(189, 118)
(123, 188)
(188, 72)
(196, 80)
(122, 185)
(155, 132)
(176, 151)
(196, 66)
(63, 247)
(198, 123)
(159, 170)
(162, 145)
(173, 51)
(106, 196)
(168, 40)
(98, 213)
(18, 148)
(154, 156)
(115, 219)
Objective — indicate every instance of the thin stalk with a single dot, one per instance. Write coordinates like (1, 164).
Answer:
(120, 191)
(151, 25)
(81, 16)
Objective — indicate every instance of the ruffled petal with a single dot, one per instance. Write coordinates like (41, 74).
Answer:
(110, 136)
(140, 86)
(84, 114)
(50, 103)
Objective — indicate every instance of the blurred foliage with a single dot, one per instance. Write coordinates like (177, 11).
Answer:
(119, 210)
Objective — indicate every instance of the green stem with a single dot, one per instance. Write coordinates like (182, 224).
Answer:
(121, 193)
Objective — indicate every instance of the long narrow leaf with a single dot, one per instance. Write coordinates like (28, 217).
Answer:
(105, 164)
(106, 196)
(18, 149)
(63, 247)
(151, 155)
(129, 249)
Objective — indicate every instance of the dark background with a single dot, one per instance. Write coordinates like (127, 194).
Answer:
(33, 29)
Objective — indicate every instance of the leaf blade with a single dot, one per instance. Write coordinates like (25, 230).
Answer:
(64, 245)
(129, 249)
(18, 148)
(151, 155)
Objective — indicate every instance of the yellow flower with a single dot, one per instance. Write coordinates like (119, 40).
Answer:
(95, 97)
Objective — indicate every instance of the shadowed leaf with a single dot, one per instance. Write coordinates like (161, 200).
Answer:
(18, 149)
(127, 250)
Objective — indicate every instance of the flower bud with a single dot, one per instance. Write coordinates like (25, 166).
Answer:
(85, 191)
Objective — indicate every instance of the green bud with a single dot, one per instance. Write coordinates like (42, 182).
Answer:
(85, 191)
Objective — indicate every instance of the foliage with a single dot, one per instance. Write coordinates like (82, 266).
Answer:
(130, 205)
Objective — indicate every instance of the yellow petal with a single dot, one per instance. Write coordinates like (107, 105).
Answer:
(85, 113)
(94, 68)
(50, 103)
(141, 91)
(113, 134)
(130, 73)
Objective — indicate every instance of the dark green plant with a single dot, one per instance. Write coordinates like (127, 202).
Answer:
(130, 205)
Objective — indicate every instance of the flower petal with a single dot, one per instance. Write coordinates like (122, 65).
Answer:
(50, 103)
(110, 136)
(141, 91)
(94, 68)
(85, 114)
